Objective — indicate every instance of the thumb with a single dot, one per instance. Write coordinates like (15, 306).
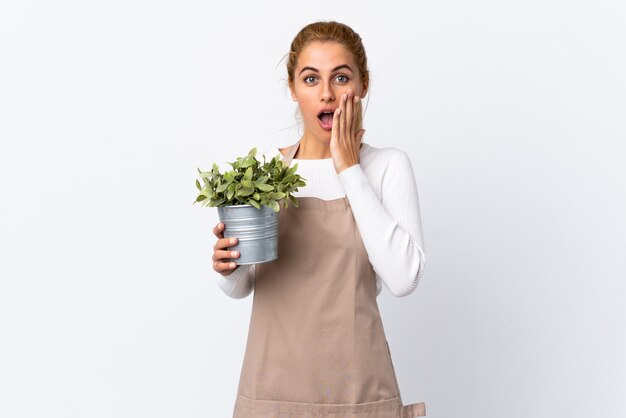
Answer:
(360, 134)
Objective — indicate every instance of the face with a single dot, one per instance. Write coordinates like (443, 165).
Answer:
(325, 71)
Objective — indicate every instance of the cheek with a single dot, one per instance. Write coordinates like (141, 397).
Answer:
(308, 110)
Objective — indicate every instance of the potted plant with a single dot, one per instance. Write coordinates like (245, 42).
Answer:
(248, 199)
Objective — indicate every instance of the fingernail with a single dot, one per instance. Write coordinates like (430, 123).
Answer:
(233, 253)
(233, 240)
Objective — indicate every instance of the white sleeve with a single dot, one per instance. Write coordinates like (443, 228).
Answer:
(239, 283)
(391, 228)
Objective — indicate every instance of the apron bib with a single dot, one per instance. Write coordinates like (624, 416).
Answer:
(316, 344)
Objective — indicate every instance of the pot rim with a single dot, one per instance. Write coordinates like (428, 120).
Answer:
(247, 205)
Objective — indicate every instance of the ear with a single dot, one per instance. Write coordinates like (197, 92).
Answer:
(364, 92)
(292, 91)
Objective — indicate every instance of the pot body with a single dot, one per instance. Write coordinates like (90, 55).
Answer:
(256, 230)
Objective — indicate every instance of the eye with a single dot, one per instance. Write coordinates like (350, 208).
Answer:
(307, 77)
(346, 78)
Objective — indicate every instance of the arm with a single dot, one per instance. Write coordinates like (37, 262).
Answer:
(239, 283)
(390, 228)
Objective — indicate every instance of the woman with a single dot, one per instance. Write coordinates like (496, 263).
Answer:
(316, 343)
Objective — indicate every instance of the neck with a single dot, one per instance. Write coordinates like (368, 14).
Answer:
(312, 149)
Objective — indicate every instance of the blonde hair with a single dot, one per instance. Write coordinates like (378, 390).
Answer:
(330, 31)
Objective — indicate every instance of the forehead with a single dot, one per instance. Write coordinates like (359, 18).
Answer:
(325, 56)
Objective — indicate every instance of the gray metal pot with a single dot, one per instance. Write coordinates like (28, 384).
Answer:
(256, 230)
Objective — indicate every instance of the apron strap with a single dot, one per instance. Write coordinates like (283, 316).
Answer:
(291, 153)
(414, 410)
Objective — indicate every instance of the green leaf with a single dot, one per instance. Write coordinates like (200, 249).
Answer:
(246, 191)
(248, 174)
(273, 205)
(262, 180)
(265, 187)
(249, 161)
(230, 192)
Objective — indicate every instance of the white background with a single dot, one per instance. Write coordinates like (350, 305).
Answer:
(513, 115)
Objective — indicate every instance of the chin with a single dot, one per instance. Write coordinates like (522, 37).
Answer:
(326, 134)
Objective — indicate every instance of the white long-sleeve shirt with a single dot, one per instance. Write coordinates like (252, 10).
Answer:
(383, 197)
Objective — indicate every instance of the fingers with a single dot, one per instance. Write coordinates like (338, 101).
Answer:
(356, 111)
(343, 133)
(338, 120)
(222, 242)
(350, 106)
(218, 231)
(224, 268)
(349, 116)
(225, 242)
(222, 262)
(359, 136)
(221, 257)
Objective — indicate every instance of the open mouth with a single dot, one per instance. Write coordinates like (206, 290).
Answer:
(326, 119)
(326, 112)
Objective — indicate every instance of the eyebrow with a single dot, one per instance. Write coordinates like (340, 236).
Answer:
(334, 69)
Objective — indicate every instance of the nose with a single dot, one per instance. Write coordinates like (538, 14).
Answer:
(328, 94)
